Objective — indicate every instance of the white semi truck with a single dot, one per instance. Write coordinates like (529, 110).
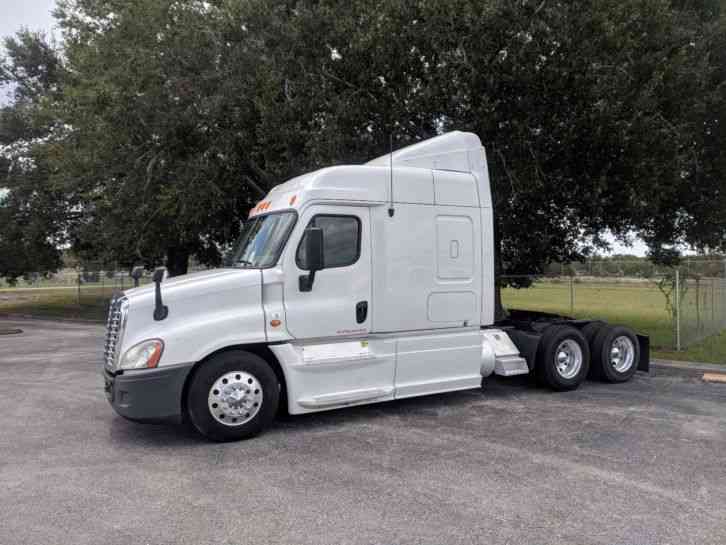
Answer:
(351, 285)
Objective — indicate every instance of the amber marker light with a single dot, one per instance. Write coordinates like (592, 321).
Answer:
(275, 323)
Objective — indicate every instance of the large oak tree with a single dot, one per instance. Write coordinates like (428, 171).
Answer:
(33, 213)
(597, 115)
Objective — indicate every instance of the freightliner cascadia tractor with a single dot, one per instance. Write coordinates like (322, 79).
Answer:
(350, 285)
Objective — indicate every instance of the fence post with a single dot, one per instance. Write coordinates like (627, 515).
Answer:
(572, 294)
(699, 324)
(79, 288)
(713, 305)
(678, 310)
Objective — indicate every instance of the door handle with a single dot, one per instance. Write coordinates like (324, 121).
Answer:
(361, 312)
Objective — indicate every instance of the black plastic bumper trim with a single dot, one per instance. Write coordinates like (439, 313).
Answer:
(149, 394)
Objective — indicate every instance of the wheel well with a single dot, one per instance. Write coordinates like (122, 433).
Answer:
(259, 349)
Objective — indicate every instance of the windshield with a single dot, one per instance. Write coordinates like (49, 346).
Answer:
(262, 240)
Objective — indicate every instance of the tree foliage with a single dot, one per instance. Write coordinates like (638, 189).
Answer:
(597, 115)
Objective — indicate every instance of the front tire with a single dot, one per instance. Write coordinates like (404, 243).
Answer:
(233, 396)
(563, 358)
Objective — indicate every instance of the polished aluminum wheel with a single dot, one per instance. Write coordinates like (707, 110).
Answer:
(235, 398)
(622, 354)
(568, 359)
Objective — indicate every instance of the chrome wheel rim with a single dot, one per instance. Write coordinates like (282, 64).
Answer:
(622, 354)
(235, 398)
(568, 359)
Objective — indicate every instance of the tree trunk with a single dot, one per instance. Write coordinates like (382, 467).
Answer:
(499, 311)
(177, 260)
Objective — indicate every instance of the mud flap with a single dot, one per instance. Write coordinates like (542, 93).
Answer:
(527, 343)
(644, 363)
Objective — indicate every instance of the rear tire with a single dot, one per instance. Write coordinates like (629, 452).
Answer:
(233, 396)
(563, 358)
(615, 353)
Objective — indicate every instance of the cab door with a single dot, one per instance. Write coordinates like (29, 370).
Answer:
(338, 303)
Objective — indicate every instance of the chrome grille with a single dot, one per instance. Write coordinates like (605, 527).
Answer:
(113, 330)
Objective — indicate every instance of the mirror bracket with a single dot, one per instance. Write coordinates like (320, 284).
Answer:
(306, 281)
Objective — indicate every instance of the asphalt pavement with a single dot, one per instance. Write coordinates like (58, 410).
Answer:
(637, 463)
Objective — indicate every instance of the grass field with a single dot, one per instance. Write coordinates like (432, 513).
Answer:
(638, 305)
(57, 302)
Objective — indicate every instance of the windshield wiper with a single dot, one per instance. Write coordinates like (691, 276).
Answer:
(244, 262)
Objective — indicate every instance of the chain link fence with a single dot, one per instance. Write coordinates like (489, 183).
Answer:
(699, 310)
(85, 283)
(69, 293)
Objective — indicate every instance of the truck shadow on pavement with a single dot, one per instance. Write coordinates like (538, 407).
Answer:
(169, 434)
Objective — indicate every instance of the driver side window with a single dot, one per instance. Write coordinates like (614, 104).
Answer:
(341, 241)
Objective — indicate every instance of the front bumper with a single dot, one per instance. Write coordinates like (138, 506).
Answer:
(148, 394)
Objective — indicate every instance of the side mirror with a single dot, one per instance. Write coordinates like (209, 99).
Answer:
(161, 311)
(313, 256)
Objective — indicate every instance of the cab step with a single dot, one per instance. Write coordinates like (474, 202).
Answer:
(509, 366)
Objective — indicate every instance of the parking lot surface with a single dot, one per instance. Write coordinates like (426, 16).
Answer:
(638, 463)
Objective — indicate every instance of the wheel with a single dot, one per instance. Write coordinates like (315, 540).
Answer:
(615, 353)
(233, 396)
(563, 358)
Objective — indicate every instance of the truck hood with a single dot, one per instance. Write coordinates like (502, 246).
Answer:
(188, 284)
(207, 310)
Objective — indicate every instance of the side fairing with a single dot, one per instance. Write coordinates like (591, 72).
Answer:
(216, 310)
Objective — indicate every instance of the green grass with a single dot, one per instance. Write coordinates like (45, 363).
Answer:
(640, 307)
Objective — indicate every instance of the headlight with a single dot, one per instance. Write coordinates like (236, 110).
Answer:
(145, 355)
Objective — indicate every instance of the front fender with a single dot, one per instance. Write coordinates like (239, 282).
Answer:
(212, 330)
(203, 317)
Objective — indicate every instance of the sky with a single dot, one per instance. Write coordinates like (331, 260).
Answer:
(637, 247)
(36, 15)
